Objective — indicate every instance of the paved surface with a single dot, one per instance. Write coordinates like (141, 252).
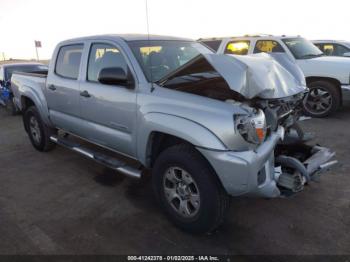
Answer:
(61, 203)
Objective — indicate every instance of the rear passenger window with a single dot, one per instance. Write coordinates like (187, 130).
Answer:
(238, 47)
(213, 44)
(319, 46)
(68, 61)
(104, 56)
(268, 46)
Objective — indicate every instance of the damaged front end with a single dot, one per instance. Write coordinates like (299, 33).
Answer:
(270, 84)
(297, 160)
(297, 164)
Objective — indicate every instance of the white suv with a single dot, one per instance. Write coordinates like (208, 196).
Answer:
(328, 78)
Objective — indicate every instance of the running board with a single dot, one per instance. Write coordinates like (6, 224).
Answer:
(100, 158)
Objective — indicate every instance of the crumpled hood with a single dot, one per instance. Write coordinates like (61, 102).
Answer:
(261, 75)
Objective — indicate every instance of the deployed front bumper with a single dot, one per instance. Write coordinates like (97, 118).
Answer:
(248, 172)
(253, 173)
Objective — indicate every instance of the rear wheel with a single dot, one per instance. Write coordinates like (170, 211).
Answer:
(38, 132)
(188, 190)
(322, 100)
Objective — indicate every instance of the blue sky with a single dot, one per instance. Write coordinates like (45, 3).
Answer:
(23, 21)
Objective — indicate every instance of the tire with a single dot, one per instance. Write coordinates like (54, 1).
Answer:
(322, 100)
(211, 201)
(38, 132)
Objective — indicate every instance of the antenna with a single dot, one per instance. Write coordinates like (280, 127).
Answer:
(149, 47)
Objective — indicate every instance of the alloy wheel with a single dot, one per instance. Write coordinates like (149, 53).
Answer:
(35, 129)
(181, 192)
(318, 101)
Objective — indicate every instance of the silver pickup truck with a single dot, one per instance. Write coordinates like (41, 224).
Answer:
(209, 126)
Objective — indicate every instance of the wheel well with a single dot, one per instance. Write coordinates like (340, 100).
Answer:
(26, 102)
(334, 81)
(158, 142)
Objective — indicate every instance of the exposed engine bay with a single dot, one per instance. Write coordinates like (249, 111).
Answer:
(296, 161)
(201, 78)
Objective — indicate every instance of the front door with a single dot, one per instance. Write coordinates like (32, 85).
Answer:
(108, 110)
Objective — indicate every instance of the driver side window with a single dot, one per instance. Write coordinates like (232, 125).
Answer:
(104, 56)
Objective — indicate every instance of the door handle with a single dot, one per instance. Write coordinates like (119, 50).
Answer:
(85, 94)
(52, 87)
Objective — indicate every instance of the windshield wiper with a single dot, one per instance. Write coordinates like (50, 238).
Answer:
(311, 55)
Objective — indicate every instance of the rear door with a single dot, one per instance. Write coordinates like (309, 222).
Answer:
(62, 90)
(109, 110)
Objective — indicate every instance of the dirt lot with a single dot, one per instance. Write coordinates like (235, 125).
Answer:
(61, 203)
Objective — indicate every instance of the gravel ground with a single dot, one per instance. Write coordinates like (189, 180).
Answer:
(62, 203)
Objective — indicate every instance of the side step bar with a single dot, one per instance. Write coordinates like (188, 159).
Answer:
(102, 159)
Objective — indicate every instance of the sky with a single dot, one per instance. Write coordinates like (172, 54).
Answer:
(51, 21)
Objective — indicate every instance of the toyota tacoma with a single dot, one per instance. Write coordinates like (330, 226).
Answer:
(208, 126)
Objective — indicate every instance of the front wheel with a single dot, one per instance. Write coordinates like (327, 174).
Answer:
(38, 132)
(322, 100)
(188, 190)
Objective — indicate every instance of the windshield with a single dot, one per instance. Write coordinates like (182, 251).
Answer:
(24, 68)
(161, 57)
(302, 48)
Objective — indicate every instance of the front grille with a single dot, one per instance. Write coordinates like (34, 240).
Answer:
(283, 111)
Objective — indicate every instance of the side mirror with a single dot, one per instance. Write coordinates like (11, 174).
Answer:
(115, 76)
(347, 54)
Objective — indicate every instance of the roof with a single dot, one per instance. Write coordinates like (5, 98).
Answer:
(329, 41)
(247, 36)
(128, 37)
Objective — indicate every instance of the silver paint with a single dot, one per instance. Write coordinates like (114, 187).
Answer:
(125, 120)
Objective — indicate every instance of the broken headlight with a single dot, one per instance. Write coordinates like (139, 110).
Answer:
(252, 127)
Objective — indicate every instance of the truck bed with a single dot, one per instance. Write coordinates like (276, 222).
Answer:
(21, 83)
(40, 73)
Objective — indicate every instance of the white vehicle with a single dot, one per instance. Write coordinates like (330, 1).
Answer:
(333, 47)
(328, 78)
